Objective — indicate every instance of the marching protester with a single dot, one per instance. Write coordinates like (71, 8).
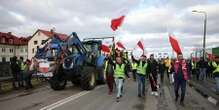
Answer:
(119, 75)
(141, 75)
(210, 69)
(152, 70)
(194, 70)
(172, 71)
(216, 73)
(109, 72)
(167, 62)
(202, 65)
(189, 68)
(161, 70)
(134, 68)
(180, 77)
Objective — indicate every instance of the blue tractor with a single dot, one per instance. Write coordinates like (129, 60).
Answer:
(82, 65)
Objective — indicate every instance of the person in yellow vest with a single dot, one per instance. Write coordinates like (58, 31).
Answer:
(119, 76)
(134, 68)
(167, 66)
(141, 75)
(216, 73)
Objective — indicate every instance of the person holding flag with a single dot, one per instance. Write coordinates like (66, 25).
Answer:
(180, 77)
(119, 76)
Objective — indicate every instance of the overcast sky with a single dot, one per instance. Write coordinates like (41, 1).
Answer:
(150, 20)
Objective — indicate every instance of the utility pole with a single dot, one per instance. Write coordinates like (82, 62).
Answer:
(204, 36)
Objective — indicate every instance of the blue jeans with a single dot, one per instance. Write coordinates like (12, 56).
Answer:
(182, 85)
(202, 73)
(119, 85)
(141, 84)
(217, 84)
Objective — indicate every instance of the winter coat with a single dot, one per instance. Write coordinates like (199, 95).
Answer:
(184, 68)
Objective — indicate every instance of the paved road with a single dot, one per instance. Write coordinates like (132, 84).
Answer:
(73, 98)
(34, 99)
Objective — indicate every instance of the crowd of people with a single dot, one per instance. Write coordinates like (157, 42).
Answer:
(22, 72)
(117, 68)
(178, 71)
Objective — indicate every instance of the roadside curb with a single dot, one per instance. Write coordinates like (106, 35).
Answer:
(205, 93)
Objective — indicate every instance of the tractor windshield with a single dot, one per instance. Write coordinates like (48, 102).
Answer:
(74, 50)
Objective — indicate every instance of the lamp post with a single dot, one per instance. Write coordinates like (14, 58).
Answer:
(204, 36)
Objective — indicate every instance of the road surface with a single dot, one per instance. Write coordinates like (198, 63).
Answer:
(73, 98)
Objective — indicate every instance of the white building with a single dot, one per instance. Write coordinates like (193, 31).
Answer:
(10, 46)
(38, 38)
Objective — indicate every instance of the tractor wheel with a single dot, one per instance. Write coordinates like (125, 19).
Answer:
(57, 82)
(88, 80)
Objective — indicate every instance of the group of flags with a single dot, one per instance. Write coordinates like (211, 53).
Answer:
(117, 22)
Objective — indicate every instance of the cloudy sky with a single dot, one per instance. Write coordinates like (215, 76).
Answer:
(149, 20)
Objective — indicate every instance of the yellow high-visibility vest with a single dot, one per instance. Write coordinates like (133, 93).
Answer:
(216, 66)
(142, 69)
(119, 71)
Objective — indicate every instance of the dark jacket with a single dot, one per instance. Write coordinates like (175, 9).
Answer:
(152, 66)
(202, 64)
(161, 68)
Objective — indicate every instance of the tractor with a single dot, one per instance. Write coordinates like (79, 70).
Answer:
(82, 65)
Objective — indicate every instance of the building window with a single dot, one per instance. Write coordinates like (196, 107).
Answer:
(35, 42)
(25, 50)
(22, 50)
(43, 41)
(3, 40)
(10, 41)
(3, 49)
(32, 50)
(11, 50)
(3, 59)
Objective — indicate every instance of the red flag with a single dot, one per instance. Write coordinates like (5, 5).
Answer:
(115, 23)
(174, 44)
(105, 48)
(140, 44)
(211, 56)
(120, 45)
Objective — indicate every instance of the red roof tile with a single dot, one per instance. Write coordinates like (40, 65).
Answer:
(15, 40)
(49, 34)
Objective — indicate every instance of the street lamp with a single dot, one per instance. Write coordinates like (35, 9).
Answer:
(205, 23)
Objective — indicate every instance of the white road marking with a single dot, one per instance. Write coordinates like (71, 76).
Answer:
(63, 101)
(68, 99)
(212, 100)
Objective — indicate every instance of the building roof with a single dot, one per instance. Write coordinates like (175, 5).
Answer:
(10, 39)
(61, 36)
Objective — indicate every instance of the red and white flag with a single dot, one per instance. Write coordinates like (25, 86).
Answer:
(119, 46)
(105, 47)
(117, 22)
(174, 44)
(140, 45)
